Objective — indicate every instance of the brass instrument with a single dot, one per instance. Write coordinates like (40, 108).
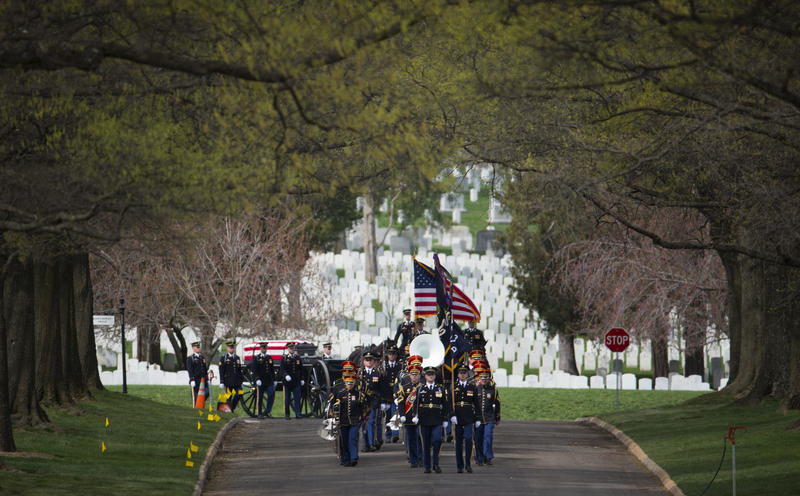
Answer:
(430, 348)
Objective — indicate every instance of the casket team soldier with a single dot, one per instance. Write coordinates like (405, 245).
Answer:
(326, 351)
(406, 397)
(264, 372)
(474, 337)
(488, 414)
(292, 375)
(372, 384)
(391, 370)
(198, 370)
(230, 373)
(350, 402)
(405, 329)
(432, 409)
(465, 401)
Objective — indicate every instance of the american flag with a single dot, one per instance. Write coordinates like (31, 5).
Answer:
(425, 296)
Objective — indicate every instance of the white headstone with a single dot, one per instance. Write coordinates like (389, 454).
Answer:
(645, 383)
(597, 382)
(662, 384)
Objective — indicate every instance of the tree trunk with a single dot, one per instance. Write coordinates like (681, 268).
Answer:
(566, 353)
(695, 336)
(71, 369)
(148, 343)
(49, 383)
(370, 242)
(84, 310)
(178, 343)
(658, 348)
(6, 432)
(17, 310)
(733, 276)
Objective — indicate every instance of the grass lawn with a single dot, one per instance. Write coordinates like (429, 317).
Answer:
(686, 441)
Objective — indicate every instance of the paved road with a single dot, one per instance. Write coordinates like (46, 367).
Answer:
(532, 458)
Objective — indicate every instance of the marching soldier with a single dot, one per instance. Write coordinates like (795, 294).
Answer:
(326, 351)
(475, 337)
(475, 356)
(264, 372)
(488, 417)
(372, 383)
(391, 370)
(465, 404)
(230, 373)
(431, 411)
(405, 399)
(292, 374)
(349, 415)
(198, 370)
(419, 328)
(405, 329)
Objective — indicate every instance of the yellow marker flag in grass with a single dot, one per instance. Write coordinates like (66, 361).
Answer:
(188, 453)
(217, 418)
(193, 447)
(200, 412)
(210, 417)
(102, 447)
(189, 463)
(209, 406)
(106, 421)
(198, 425)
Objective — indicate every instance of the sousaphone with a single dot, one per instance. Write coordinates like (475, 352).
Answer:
(430, 348)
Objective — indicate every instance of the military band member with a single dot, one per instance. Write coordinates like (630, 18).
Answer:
(326, 351)
(488, 415)
(405, 329)
(474, 357)
(465, 404)
(372, 384)
(419, 328)
(230, 373)
(391, 370)
(431, 411)
(406, 396)
(292, 375)
(264, 373)
(349, 415)
(475, 337)
(198, 370)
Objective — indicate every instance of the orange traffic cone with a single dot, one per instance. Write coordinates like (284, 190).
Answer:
(201, 395)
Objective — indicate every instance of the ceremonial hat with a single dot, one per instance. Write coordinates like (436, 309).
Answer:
(290, 344)
(348, 365)
(357, 347)
(369, 356)
(349, 378)
(462, 368)
(263, 344)
(480, 364)
(196, 343)
(430, 370)
(483, 373)
(415, 359)
(420, 320)
(474, 354)
(391, 349)
(406, 311)
(232, 344)
(414, 368)
(327, 345)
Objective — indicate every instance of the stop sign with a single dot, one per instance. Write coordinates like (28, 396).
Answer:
(617, 339)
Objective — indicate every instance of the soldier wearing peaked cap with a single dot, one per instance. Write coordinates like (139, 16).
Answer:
(465, 404)
(230, 373)
(431, 411)
(391, 371)
(264, 373)
(292, 376)
(371, 377)
(475, 337)
(350, 412)
(197, 368)
(488, 416)
(405, 398)
(420, 327)
(326, 351)
(405, 329)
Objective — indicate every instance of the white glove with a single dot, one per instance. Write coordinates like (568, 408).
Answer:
(403, 418)
(477, 423)
(444, 424)
(288, 378)
(275, 384)
(396, 401)
(222, 386)
(415, 420)
(385, 407)
(192, 383)
(454, 420)
(258, 382)
(302, 382)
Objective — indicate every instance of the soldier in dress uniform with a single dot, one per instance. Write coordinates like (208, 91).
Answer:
(350, 412)
(326, 351)
(198, 370)
(264, 373)
(230, 373)
(405, 329)
(391, 370)
(465, 404)
(405, 398)
(371, 378)
(431, 411)
(475, 337)
(292, 375)
(488, 415)
(474, 357)
(419, 328)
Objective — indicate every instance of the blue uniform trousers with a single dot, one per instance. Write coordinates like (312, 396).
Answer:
(431, 440)
(488, 435)
(372, 430)
(463, 444)
(270, 390)
(479, 456)
(291, 396)
(349, 443)
(413, 444)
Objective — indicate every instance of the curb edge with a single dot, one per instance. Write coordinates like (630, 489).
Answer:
(637, 452)
(202, 476)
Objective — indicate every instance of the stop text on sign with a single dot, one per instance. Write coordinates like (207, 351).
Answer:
(617, 339)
